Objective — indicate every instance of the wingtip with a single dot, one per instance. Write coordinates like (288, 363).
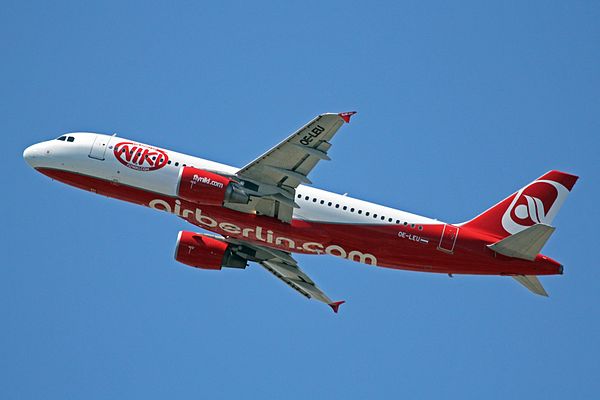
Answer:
(335, 306)
(347, 115)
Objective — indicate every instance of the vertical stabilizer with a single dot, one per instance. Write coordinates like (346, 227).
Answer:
(536, 203)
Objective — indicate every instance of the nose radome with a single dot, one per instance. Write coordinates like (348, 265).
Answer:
(32, 154)
(28, 154)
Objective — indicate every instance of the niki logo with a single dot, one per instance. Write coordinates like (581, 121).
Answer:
(537, 203)
(140, 157)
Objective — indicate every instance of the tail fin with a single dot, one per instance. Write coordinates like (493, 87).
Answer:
(536, 203)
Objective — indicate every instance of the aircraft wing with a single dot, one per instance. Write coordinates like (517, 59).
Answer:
(273, 177)
(289, 163)
(293, 276)
(283, 266)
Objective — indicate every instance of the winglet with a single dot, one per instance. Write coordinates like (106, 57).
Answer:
(336, 305)
(347, 115)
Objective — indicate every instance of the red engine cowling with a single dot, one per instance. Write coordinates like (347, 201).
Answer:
(201, 251)
(207, 188)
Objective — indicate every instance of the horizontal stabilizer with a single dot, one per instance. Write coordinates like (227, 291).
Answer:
(532, 283)
(525, 244)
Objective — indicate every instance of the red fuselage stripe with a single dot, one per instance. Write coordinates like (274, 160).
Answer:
(434, 248)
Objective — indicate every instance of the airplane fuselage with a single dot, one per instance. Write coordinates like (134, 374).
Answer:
(323, 222)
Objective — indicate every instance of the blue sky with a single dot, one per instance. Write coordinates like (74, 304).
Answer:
(460, 103)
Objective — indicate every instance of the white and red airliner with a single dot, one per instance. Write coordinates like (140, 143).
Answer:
(265, 212)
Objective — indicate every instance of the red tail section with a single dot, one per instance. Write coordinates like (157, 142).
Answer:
(536, 203)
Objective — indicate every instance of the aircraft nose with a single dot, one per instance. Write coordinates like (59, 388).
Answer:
(32, 154)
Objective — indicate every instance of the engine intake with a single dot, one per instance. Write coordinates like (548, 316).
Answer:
(202, 251)
(207, 188)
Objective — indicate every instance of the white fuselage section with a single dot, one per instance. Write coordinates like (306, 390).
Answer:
(92, 154)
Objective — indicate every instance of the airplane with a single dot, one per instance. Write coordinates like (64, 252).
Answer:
(267, 210)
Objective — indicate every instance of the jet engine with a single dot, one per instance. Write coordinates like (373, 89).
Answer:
(207, 188)
(205, 252)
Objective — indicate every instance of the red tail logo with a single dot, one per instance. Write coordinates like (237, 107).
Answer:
(140, 157)
(537, 203)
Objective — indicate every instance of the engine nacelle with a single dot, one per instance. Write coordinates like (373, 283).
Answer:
(207, 188)
(202, 251)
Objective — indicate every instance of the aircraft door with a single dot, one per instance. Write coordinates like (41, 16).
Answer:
(98, 150)
(448, 239)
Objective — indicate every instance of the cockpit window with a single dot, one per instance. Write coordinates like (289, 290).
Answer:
(61, 138)
(70, 139)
